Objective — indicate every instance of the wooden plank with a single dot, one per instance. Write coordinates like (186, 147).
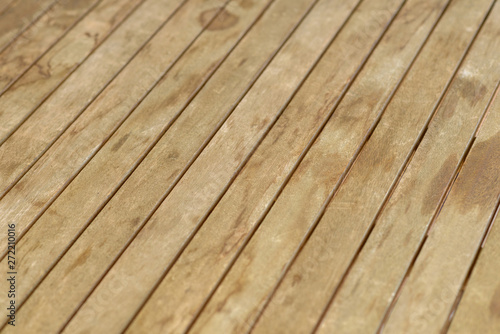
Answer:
(18, 57)
(28, 92)
(431, 287)
(242, 293)
(21, 150)
(19, 16)
(478, 308)
(241, 132)
(101, 119)
(358, 305)
(328, 79)
(401, 226)
(160, 107)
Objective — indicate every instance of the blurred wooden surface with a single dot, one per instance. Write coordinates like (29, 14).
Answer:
(250, 166)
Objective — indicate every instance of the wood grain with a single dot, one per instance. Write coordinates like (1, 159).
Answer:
(402, 223)
(159, 108)
(18, 16)
(250, 166)
(5, 4)
(101, 119)
(478, 309)
(18, 57)
(24, 97)
(431, 287)
(244, 287)
(241, 131)
(195, 274)
(116, 102)
(190, 280)
(357, 306)
(23, 207)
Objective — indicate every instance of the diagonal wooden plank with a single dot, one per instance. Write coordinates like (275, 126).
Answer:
(429, 291)
(19, 16)
(387, 253)
(27, 145)
(357, 305)
(478, 309)
(242, 293)
(18, 57)
(250, 121)
(28, 92)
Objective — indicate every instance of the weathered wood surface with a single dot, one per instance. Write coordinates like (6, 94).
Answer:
(19, 56)
(18, 15)
(263, 166)
(27, 92)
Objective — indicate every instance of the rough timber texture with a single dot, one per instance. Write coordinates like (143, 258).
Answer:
(250, 166)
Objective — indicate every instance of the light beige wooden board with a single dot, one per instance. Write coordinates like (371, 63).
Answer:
(173, 306)
(382, 263)
(24, 96)
(241, 295)
(429, 292)
(231, 144)
(478, 309)
(20, 15)
(162, 105)
(39, 37)
(28, 143)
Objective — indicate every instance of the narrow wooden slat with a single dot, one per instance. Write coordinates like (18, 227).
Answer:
(242, 293)
(401, 225)
(357, 306)
(241, 132)
(30, 90)
(478, 311)
(431, 287)
(17, 58)
(20, 15)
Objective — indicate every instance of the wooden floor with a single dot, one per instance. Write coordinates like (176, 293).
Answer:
(250, 166)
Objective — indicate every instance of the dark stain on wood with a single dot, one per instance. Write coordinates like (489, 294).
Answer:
(438, 185)
(80, 260)
(224, 19)
(469, 89)
(481, 188)
(495, 303)
(385, 234)
(120, 143)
